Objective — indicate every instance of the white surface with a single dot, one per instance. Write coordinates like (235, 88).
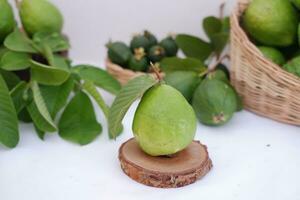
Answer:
(253, 157)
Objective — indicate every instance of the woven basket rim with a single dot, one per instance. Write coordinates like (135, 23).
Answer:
(236, 14)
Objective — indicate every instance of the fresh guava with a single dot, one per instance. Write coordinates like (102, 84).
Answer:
(7, 21)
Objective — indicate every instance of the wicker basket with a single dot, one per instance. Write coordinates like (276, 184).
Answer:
(123, 75)
(267, 89)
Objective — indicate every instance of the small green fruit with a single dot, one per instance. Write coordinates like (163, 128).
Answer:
(119, 53)
(184, 81)
(293, 66)
(152, 39)
(271, 22)
(224, 69)
(164, 122)
(215, 102)
(272, 54)
(138, 62)
(170, 46)
(219, 75)
(7, 21)
(40, 16)
(139, 41)
(156, 53)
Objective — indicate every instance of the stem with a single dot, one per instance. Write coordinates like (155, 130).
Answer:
(220, 60)
(156, 72)
(221, 10)
(18, 4)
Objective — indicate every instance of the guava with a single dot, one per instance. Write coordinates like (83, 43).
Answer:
(224, 69)
(170, 46)
(271, 22)
(152, 39)
(156, 53)
(138, 62)
(214, 102)
(293, 66)
(7, 21)
(164, 122)
(218, 74)
(272, 54)
(119, 53)
(139, 41)
(184, 81)
(40, 16)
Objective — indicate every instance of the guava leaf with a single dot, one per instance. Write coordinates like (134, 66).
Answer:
(10, 78)
(41, 134)
(172, 64)
(9, 133)
(13, 61)
(226, 24)
(48, 75)
(99, 77)
(56, 96)
(17, 94)
(18, 41)
(55, 41)
(211, 26)
(193, 46)
(219, 41)
(39, 112)
(134, 89)
(60, 62)
(78, 122)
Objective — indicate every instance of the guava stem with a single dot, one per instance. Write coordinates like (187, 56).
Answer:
(220, 60)
(156, 72)
(221, 10)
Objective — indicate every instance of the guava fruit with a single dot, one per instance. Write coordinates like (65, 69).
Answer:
(119, 53)
(7, 21)
(214, 102)
(184, 81)
(164, 122)
(156, 53)
(170, 46)
(224, 69)
(271, 22)
(296, 3)
(152, 39)
(138, 62)
(139, 41)
(40, 16)
(219, 75)
(272, 54)
(293, 66)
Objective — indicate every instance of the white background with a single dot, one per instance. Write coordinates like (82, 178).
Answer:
(253, 157)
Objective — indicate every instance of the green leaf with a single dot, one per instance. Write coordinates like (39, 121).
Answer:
(39, 112)
(12, 61)
(193, 47)
(211, 26)
(3, 50)
(219, 41)
(55, 41)
(172, 64)
(78, 122)
(41, 134)
(9, 133)
(48, 75)
(56, 96)
(60, 62)
(24, 116)
(99, 77)
(17, 95)
(18, 41)
(10, 78)
(134, 89)
(226, 24)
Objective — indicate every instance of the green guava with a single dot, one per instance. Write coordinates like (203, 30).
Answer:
(214, 102)
(40, 16)
(152, 39)
(138, 64)
(119, 53)
(170, 46)
(164, 122)
(272, 54)
(139, 41)
(184, 81)
(271, 22)
(156, 53)
(218, 74)
(293, 66)
(7, 21)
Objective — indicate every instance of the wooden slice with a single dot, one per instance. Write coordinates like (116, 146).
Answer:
(179, 170)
